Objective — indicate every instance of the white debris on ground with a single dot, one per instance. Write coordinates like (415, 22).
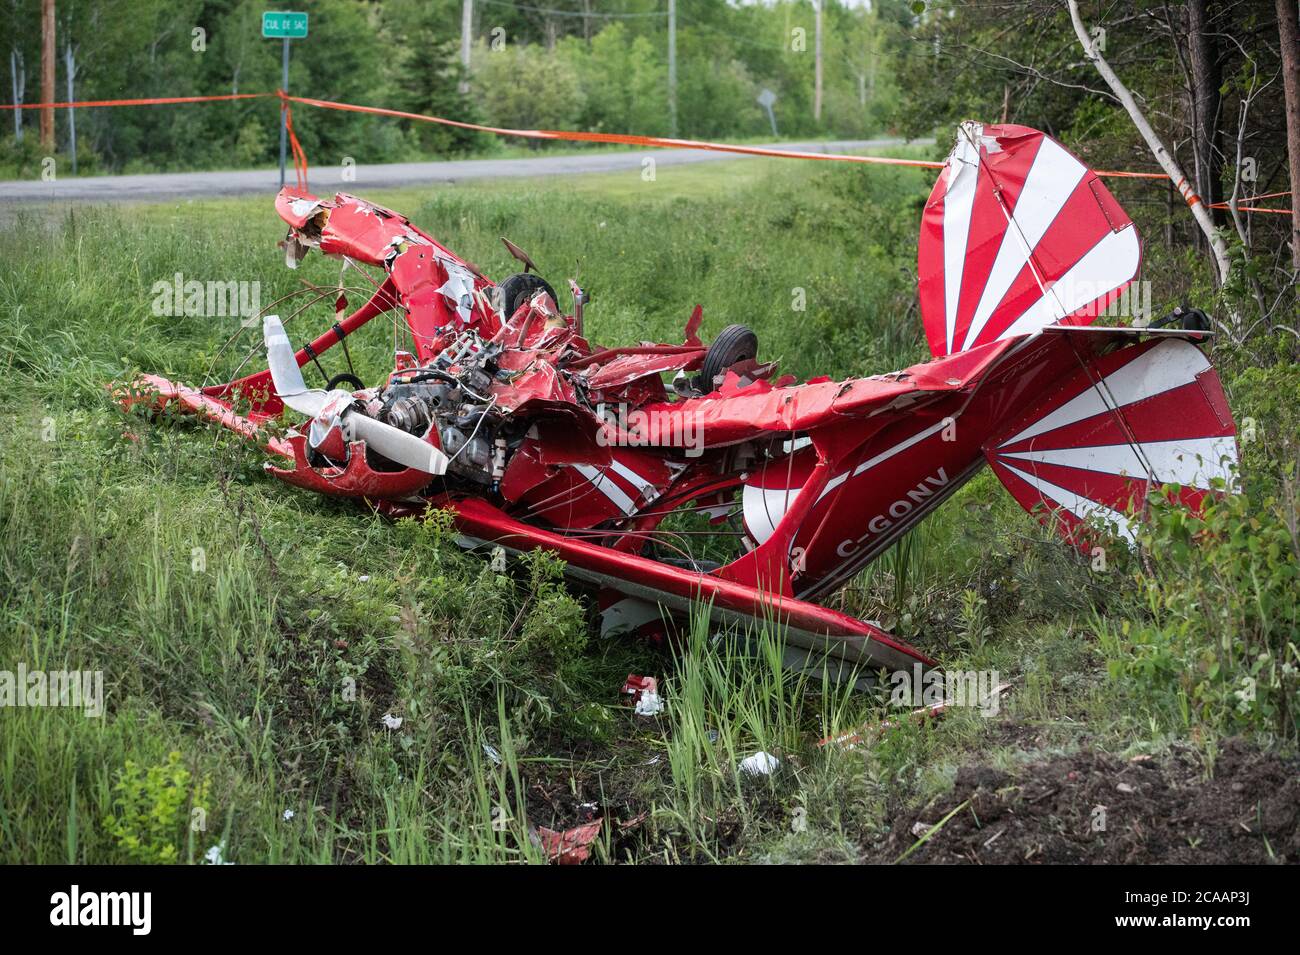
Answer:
(391, 721)
(288, 814)
(650, 704)
(492, 753)
(214, 855)
(760, 764)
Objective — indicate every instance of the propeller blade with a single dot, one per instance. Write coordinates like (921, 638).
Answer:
(395, 444)
(286, 374)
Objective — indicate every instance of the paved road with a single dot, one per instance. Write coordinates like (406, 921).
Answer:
(163, 187)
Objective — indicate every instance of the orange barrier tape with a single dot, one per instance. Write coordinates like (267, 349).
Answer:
(1132, 175)
(154, 101)
(1267, 195)
(299, 155)
(618, 138)
(624, 139)
(1276, 212)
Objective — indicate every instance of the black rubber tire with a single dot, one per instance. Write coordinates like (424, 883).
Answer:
(344, 378)
(735, 343)
(520, 287)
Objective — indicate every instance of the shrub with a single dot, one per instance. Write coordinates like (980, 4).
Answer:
(1217, 635)
(149, 816)
(526, 87)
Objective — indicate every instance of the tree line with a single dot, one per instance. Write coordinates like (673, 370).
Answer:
(584, 64)
(1216, 84)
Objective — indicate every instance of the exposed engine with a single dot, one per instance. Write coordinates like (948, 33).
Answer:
(450, 394)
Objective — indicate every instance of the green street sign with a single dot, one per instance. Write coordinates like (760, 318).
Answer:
(284, 26)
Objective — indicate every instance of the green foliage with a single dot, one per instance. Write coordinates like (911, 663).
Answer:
(527, 71)
(1219, 641)
(556, 623)
(152, 809)
(1267, 404)
(252, 144)
(638, 101)
(525, 87)
(432, 81)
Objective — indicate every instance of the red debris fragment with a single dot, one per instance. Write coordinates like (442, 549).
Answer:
(637, 685)
(571, 847)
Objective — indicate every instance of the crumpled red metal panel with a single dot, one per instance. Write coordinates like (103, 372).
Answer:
(737, 412)
(160, 393)
(572, 846)
(628, 368)
(539, 384)
(355, 479)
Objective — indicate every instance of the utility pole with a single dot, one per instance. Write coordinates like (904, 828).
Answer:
(817, 80)
(47, 74)
(672, 67)
(18, 74)
(70, 71)
(466, 40)
(284, 108)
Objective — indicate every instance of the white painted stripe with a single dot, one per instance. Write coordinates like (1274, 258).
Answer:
(885, 455)
(648, 491)
(764, 507)
(607, 487)
(1108, 265)
(1171, 364)
(1052, 179)
(1081, 507)
(958, 201)
(1192, 462)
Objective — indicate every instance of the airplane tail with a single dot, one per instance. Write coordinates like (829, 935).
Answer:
(1130, 420)
(1018, 235)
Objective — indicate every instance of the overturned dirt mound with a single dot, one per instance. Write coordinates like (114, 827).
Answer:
(1091, 807)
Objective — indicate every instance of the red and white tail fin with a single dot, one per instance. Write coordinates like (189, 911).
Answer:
(1146, 415)
(1018, 234)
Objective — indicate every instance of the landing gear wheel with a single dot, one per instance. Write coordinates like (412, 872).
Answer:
(344, 378)
(519, 288)
(735, 343)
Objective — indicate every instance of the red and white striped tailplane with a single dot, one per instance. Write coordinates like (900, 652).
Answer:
(1018, 234)
(1149, 414)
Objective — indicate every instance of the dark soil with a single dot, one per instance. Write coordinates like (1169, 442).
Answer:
(1156, 810)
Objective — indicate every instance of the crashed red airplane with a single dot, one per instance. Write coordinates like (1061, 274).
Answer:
(505, 413)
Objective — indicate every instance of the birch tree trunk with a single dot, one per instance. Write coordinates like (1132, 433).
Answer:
(1163, 156)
